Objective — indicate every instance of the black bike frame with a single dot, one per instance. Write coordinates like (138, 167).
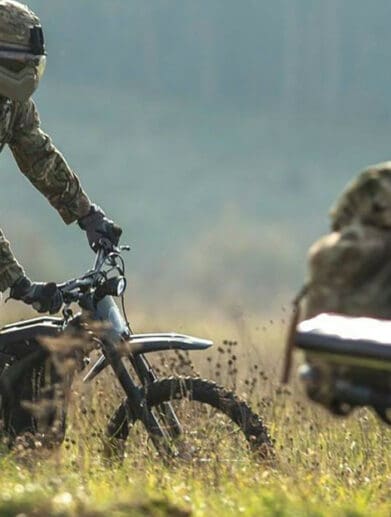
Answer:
(116, 333)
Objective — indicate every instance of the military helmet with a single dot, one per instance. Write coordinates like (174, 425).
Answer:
(22, 51)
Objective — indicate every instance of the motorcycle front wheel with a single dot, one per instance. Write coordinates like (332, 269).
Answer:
(214, 424)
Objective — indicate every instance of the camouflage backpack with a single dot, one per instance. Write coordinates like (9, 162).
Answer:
(350, 268)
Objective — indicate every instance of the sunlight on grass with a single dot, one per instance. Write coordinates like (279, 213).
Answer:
(322, 465)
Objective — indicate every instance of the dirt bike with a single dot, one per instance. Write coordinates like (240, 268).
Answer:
(161, 405)
(347, 362)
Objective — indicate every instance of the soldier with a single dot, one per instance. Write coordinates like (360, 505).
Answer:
(22, 64)
(349, 269)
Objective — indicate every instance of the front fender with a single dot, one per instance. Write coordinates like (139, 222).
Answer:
(146, 343)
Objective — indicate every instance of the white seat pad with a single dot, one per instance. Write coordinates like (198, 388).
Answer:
(348, 328)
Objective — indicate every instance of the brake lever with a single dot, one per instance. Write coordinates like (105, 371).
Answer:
(108, 247)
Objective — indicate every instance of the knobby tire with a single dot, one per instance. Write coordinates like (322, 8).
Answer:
(203, 391)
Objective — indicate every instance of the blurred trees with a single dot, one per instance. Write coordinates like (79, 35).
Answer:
(292, 54)
(174, 111)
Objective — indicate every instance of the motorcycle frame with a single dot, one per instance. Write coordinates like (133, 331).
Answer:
(115, 334)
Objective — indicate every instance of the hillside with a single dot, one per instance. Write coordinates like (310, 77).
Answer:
(218, 146)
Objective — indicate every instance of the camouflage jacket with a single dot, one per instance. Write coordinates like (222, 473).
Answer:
(45, 168)
(40, 161)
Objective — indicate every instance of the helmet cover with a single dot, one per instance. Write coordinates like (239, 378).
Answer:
(22, 51)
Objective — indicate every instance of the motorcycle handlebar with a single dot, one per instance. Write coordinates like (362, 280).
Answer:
(74, 289)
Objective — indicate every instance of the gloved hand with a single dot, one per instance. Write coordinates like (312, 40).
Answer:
(43, 297)
(98, 226)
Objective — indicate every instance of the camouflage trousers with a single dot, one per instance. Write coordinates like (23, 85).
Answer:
(10, 270)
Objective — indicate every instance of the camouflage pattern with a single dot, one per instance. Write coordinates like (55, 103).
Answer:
(10, 270)
(350, 269)
(21, 42)
(16, 19)
(45, 168)
(367, 199)
(38, 159)
(350, 273)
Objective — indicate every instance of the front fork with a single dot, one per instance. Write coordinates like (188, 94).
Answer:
(147, 375)
(107, 310)
(135, 400)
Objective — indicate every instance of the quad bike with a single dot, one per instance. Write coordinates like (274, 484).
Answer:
(162, 405)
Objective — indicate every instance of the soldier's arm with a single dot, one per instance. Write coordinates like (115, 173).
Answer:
(45, 167)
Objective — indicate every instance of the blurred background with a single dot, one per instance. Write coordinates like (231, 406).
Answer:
(216, 132)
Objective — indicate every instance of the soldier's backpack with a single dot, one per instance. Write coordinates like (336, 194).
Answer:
(350, 268)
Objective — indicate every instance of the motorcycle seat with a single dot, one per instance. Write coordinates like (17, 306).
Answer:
(339, 334)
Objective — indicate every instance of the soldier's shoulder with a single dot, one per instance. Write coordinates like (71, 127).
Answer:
(367, 198)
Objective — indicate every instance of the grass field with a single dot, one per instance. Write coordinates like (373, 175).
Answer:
(322, 465)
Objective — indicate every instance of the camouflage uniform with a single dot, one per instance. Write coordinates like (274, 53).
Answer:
(367, 199)
(22, 65)
(350, 268)
(46, 169)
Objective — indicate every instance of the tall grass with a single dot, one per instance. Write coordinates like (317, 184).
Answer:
(322, 465)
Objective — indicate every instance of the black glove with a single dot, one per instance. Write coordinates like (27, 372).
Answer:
(43, 297)
(98, 226)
